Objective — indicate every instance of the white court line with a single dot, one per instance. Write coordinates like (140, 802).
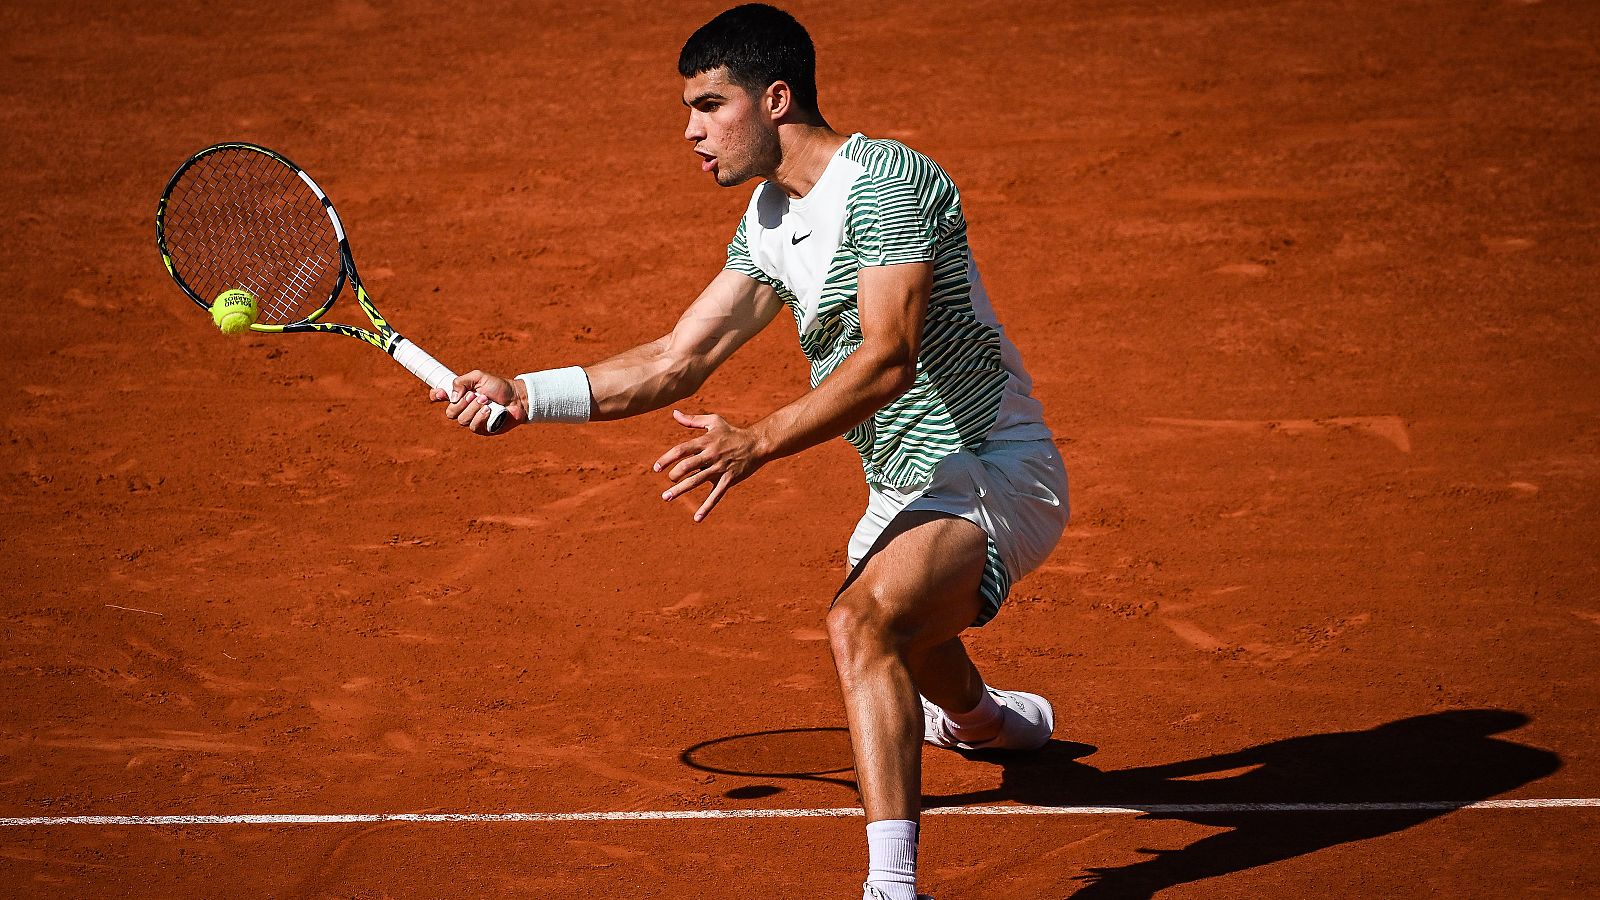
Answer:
(837, 812)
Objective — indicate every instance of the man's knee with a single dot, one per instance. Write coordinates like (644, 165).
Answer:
(862, 624)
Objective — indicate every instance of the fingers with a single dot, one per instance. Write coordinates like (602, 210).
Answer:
(689, 421)
(713, 458)
(725, 480)
(708, 421)
(464, 384)
(685, 466)
(479, 424)
(723, 483)
(484, 384)
(466, 407)
(687, 448)
(461, 396)
(687, 484)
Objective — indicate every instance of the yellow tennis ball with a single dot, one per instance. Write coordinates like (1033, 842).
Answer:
(234, 311)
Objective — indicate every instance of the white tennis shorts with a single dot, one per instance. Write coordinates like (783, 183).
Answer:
(1016, 491)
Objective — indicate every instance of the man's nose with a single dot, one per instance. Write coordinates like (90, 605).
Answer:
(694, 130)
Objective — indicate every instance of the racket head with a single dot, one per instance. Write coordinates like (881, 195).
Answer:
(238, 215)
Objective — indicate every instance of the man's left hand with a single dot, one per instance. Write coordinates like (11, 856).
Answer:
(724, 456)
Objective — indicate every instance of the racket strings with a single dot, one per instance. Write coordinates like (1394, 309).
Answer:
(240, 218)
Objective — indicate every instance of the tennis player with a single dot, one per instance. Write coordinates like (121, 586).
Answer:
(865, 243)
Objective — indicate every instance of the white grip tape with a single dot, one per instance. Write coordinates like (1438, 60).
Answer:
(435, 375)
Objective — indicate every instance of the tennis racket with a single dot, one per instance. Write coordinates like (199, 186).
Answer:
(238, 215)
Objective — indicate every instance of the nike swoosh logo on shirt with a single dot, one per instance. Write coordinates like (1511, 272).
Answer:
(795, 239)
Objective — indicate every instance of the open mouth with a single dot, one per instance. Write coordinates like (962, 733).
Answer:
(707, 161)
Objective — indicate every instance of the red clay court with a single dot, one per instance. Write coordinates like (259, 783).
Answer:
(1309, 292)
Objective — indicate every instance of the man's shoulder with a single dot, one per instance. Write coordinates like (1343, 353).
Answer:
(884, 159)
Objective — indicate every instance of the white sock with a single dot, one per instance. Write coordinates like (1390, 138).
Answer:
(892, 858)
(980, 720)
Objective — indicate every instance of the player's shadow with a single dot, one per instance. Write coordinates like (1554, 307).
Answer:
(1444, 760)
(1440, 761)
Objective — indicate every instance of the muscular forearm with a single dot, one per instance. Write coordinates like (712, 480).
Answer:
(638, 381)
(651, 376)
(856, 389)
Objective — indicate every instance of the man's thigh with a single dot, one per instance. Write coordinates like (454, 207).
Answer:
(921, 578)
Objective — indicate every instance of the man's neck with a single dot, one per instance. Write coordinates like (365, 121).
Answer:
(807, 149)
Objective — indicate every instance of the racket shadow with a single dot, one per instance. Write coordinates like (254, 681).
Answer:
(791, 754)
(823, 755)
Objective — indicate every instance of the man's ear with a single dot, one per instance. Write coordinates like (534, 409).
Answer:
(779, 100)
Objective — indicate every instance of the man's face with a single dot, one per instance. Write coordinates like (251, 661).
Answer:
(733, 135)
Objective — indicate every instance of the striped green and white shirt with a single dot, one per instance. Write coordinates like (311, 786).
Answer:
(880, 203)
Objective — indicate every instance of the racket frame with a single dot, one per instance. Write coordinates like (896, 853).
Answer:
(385, 338)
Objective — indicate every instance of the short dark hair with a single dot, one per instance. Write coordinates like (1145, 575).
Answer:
(759, 44)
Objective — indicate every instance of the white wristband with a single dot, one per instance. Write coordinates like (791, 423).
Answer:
(558, 395)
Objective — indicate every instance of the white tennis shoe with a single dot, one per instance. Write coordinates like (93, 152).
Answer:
(1026, 723)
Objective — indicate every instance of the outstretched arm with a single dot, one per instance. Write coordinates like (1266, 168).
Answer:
(732, 309)
(893, 302)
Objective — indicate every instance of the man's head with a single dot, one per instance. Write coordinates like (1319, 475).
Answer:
(746, 72)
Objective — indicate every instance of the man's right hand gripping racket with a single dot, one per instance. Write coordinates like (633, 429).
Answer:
(240, 216)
